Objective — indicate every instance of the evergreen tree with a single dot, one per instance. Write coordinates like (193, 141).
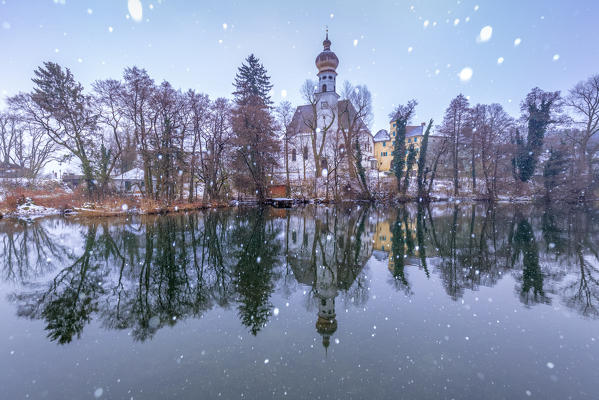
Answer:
(537, 109)
(421, 173)
(401, 116)
(410, 159)
(254, 136)
(252, 84)
(64, 112)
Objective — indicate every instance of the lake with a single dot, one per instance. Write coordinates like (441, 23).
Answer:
(442, 301)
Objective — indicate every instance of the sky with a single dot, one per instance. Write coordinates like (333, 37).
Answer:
(491, 51)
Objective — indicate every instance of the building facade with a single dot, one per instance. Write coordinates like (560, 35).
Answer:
(384, 143)
(318, 129)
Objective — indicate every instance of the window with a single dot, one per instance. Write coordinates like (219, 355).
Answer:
(324, 88)
(409, 140)
(324, 164)
(305, 152)
(415, 139)
(384, 144)
(294, 237)
(293, 155)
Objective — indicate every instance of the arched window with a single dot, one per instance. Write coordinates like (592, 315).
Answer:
(293, 155)
(324, 88)
(305, 152)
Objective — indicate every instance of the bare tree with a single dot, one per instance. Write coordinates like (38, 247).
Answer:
(198, 106)
(453, 125)
(284, 114)
(9, 129)
(108, 100)
(355, 114)
(493, 144)
(166, 139)
(583, 100)
(24, 144)
(214, 159)
(139, 88)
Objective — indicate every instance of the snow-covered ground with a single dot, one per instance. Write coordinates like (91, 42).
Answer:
(30, 211)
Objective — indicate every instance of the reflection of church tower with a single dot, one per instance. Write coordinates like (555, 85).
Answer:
(326, 290)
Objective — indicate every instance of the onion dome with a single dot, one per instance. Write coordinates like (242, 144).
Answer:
(326, 326)
(327, 60)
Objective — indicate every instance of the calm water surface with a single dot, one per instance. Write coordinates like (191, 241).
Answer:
(449, 301)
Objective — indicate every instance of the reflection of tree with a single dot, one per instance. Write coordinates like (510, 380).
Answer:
(70, 300)
(420, 236)
(256, 252)
(552, 232)
(398, 249)
(532, 278)
(27, 250)
(581, 292)
(147, 272)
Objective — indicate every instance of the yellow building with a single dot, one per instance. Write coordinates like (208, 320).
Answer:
(383, 143)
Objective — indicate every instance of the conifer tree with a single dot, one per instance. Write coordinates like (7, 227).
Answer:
(421, 173)
(538, 109)
(410, 159)
(401, 116)
(253, 128)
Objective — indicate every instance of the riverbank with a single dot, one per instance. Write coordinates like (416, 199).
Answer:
(32, 204)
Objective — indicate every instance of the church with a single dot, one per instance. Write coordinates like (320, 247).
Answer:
(323, 130)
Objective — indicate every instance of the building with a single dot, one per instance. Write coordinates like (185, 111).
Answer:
(72, 180)
(324, 121)
(383, 143)
(10, 170)
(130, 181)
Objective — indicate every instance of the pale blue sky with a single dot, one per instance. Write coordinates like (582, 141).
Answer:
(186, 43)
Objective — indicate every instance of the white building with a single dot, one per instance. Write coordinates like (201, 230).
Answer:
(327, 121)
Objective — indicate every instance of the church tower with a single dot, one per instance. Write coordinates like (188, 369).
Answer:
(327, 63)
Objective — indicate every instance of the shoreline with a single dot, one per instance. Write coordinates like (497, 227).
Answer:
(295, 203)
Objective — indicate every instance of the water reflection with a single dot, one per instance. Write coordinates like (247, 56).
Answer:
(145, 273)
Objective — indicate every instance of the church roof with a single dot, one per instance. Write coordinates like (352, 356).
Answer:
(305, 114)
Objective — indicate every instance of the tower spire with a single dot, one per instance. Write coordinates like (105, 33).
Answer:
(327, 43)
